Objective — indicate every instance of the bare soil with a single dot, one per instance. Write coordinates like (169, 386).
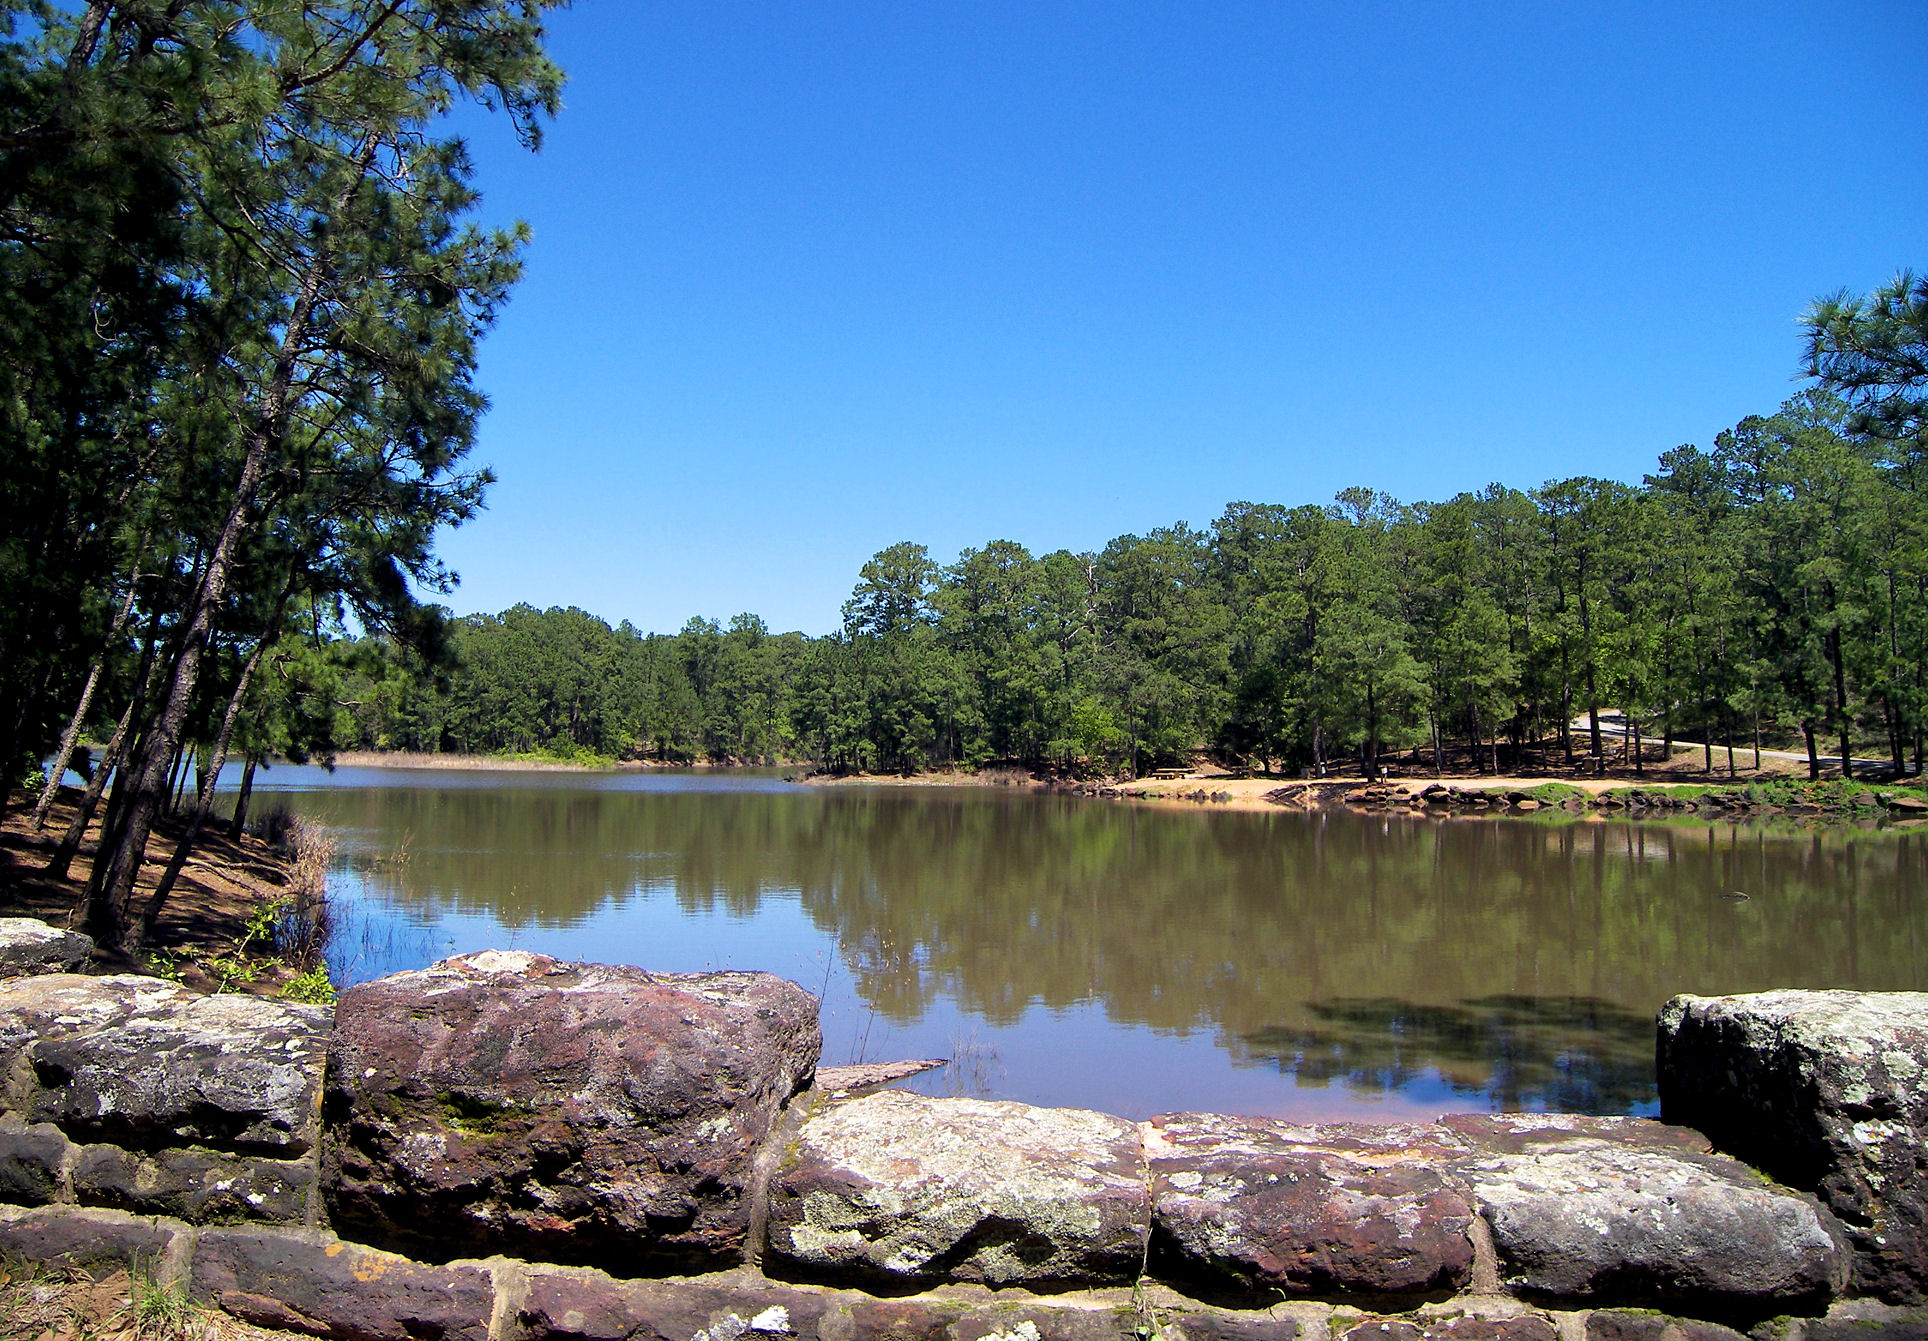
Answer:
(224, 883)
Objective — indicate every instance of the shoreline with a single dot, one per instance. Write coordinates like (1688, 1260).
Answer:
(203, 937)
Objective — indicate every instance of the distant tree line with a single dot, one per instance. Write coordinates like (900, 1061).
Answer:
(1772, 586)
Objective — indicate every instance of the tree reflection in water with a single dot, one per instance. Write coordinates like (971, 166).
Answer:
(1560, 1054)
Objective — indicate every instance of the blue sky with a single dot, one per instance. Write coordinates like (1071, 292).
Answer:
(810, 280)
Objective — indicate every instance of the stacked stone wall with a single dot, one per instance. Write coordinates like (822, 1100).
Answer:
(508, 1148)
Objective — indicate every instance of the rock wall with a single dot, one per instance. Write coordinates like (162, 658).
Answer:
(556, 1146)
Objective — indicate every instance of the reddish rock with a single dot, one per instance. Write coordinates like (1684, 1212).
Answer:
(1266, 1206)
(1524, 1133)
(307, 1281)
(1526, 1327)
(1826, 1091)
(1611, 1325)
(906, 1191)
(86, 1238)
(589, 1306)
(578, 1113)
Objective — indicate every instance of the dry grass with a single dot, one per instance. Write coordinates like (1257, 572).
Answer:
(41, 1302)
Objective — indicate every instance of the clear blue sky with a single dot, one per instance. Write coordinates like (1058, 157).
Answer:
(810, 280)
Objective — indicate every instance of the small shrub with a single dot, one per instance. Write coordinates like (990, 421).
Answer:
(311, 988)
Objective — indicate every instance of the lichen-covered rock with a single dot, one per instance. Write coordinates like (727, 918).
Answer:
(1616, 1325)
(1269, 1207)
(903, 1190)
(1526, 1133)
(1603, 1222)
(1526, 1327)
(29, 946)
(508, 1102)
(92, 1239)
(142, 1062)
(1828, 1091)
(201, 1186)
(33, 1162)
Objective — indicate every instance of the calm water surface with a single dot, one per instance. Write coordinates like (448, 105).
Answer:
(1133, 959)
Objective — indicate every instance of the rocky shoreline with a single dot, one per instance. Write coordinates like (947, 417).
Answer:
(507, 1147)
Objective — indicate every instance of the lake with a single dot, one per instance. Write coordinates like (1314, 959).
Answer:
(1130, 958)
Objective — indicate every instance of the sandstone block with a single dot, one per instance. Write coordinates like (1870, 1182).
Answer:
(1596, 1221)
(1613, 1325)
(29, 946)
(577, 1113)
(589, 1306)
(907, 1191)
(138, 1061)
(197, 1185)
(33, 1162)
(1527, 1327)
(89, 1239)
(1827, 1091)
(1526, 1133)
(310, 1282)
(1264, 1206)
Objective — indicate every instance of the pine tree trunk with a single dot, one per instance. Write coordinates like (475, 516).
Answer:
(108, 908)
(238, 822)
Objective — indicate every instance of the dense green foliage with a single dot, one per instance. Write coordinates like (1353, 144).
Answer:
(1774, 584)
(238, 314)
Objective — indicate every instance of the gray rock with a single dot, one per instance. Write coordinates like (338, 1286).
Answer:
(1270, 1208)
(1828, 1091)
(33, 1163)
(200, 1186)
(507, 1102)
(903, 1190)
(311, 1282)
(1526, 1327)
(1594, 1221)
(138, 1061)
(29, 946)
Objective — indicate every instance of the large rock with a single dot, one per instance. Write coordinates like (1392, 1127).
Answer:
(507, 1102)
(903, 1191)
(1270, 1208)
(141, 1062)
(1627, 1213)
(1827, 1091)
(29, 946)
(313, 1283)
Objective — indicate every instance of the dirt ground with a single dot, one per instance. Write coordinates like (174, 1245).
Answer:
(224, 882)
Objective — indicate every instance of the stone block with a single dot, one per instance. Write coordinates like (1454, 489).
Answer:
(29, 946)
(904, 1191)
(574, 1113)
(1526, 1327)
(197, 1185)
(141, 1062)
(90, 1239)
(1525, 1133)
(1267, 1207)
(1616, 1325)
(1827, 1091)
(562, 1305)
(33, 1162)
(1602, 1222)
(311, 1282)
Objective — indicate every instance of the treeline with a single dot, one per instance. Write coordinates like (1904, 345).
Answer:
(239, 306)
(1774, 585)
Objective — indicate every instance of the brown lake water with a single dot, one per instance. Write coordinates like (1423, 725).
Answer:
(1134, 959)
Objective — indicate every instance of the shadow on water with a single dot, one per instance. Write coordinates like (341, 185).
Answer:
(1561, 1054)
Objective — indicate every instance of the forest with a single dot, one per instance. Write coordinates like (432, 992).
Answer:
(241, 295)
(1772, 585)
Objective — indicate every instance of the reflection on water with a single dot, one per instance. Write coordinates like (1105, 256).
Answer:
(1138, 959)
(1558, 1054)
